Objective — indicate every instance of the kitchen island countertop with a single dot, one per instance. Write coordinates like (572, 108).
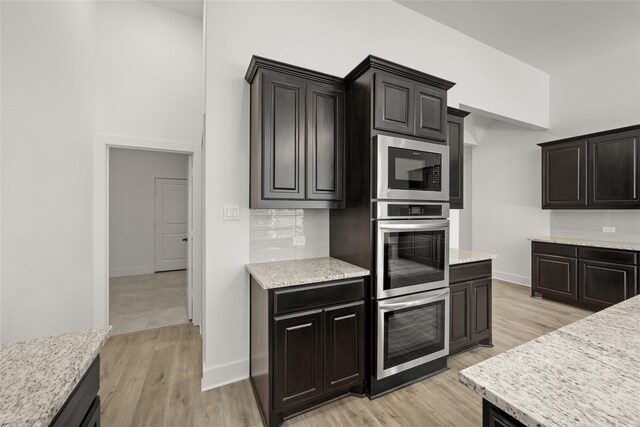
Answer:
(585, 373)
(38, 375)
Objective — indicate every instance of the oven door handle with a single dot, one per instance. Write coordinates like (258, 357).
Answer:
(400, 305)
(413, 225)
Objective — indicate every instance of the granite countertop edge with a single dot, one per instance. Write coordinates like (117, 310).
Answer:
(266, 281)
(501, 403)
(605, 244)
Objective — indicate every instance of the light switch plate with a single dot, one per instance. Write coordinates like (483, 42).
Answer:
(231, 213)
(608, 229)
(299, 240)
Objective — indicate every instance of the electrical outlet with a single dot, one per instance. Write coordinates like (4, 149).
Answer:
(299, 240)
(608, 229)
(231, 213)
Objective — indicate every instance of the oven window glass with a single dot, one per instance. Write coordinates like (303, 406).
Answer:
(413, 258)
(414, 170)
(414, 332)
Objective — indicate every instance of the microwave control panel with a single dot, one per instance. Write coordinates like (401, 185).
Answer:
(405, 210)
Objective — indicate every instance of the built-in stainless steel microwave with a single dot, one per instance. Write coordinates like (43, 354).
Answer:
(411, 170)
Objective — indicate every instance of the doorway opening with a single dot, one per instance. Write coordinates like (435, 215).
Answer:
(150, 239)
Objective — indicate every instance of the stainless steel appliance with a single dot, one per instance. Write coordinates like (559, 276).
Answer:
(411, 170)
(411, 287)
(411, 330)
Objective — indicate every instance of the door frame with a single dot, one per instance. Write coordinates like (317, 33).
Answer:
(103, 143)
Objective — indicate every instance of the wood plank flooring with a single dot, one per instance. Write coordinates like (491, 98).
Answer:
(152, 378)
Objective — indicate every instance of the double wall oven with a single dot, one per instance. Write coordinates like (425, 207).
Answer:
(411, 257)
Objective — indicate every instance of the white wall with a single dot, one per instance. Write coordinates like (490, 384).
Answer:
(149, 72)
(332, 37)
(506, 198)
(132, 175)
(47, 109)
(70, 69)
(599, 94)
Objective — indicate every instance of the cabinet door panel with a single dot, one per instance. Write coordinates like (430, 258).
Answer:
(564, 175)
(344, 346)
(283, 112)
(325, 142)
(430, 113)
(393, 104)
(456, 161)
(480, 309)
(603, 284)
(614, 179)
(555, 275)
(298, 359)
(460, 327)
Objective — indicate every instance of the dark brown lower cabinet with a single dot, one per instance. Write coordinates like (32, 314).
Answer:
(603, 284)
(298, 359)
(555, 275)
(82, 408)
(307, 346)
(470, 305)
(589, 277)
(492, 416)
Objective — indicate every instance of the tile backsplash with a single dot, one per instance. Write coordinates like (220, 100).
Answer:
(272, 232)
(588, 224)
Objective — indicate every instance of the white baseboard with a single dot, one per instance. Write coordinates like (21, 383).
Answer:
(226, 374)
(513, 278)
(132, 271)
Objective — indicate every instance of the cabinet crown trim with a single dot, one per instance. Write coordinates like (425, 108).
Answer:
(258, 62)
(399, 70)
(457, 112)
(590, 135)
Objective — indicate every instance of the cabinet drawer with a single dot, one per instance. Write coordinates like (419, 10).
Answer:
(307, 297)
(555, 249)
(622, 257)
(469, 271)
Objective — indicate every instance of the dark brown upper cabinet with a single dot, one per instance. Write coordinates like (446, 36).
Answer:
(614, 180)
(297, 137)
(409, 108)
(455, 140)
(595, 171)
(564, 175)
(405, 101)
(394, 104)
(430, 112)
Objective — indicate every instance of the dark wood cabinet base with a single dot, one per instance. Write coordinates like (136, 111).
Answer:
(492, 416)
(307, 346)
(82, 408)
(584, 276)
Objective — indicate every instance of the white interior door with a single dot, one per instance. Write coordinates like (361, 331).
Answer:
(171, 224)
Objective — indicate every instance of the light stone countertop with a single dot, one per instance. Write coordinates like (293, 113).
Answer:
(280, 274)
(37, 376)
(461, 256)
(584, 374)
(629, 246)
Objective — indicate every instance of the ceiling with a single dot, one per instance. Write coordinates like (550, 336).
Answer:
(188, 7)
(549, 35)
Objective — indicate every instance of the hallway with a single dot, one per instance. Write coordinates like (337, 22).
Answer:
(147, 301)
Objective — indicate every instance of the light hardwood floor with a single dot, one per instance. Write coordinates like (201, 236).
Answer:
(152, 378)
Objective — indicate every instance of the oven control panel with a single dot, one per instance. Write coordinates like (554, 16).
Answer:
(399, 210)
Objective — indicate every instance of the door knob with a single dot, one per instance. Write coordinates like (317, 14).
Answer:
(185, 239)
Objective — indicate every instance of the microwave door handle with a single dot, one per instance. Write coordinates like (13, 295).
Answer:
(414, 226)
(408, 304)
